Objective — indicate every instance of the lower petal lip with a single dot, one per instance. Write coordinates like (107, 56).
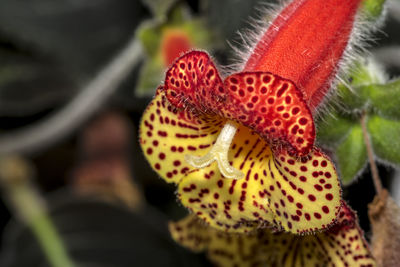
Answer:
(341, 245)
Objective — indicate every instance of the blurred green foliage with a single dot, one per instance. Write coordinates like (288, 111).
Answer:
(366, 91)
(385, 134)
(351, 154)
(374, 8)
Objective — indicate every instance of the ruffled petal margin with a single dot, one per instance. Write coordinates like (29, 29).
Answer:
(342, 245)
(272, 106)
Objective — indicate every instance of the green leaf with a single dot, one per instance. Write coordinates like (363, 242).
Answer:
(373, 8)
(351, 155)
(366, 71)
(354, 92)
(385, 99)
(385, 137)
(351, 100)
(333, 128)
(370, 92)
(149, 33)
(150, 77)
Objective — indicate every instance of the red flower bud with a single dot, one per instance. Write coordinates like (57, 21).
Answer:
(305, 44)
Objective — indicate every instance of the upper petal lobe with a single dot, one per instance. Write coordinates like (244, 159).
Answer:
(272, 106)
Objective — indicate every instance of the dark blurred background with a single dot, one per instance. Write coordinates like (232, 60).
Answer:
(109, 206)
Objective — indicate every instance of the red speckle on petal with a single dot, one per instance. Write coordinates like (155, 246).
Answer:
(187, 93)
(325, 209)
(328, 186)
(318, 187)
(329, 196)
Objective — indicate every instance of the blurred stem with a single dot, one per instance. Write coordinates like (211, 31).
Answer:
(30, 207)
(50, 130)
(374, 169)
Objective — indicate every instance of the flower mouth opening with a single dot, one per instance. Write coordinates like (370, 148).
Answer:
(271, 105)
(219, 153)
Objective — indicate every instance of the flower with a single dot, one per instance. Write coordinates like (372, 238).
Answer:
(256, 124)
(305, 44)
(174, 42)
(166, 39)
(341, 245)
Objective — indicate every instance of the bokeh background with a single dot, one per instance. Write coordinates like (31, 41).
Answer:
(109, 207)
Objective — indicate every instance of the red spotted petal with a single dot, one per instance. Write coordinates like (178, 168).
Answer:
(168, 134)
(278, 190)
(273, 106)
(340, 246)
(224, 250)
(267, 103)
(228, 204)
(305, 193)
(193, 81)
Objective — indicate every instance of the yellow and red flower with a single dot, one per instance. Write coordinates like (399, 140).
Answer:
(256, 124)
